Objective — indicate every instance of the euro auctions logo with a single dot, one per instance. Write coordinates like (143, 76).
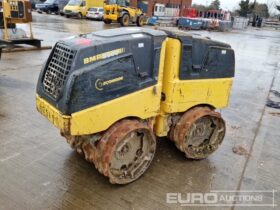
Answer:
(224, 198)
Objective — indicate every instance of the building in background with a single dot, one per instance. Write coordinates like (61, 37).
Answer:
(148, 5)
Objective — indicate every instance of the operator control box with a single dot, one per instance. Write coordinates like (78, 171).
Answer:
(17, 11)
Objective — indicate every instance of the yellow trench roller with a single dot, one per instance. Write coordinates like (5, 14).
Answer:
(160, 84)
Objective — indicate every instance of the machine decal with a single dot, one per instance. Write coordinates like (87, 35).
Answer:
(99, 84)
(140, 45)
(104, 55)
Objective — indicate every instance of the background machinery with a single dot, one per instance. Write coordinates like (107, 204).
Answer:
(79, 8)
(13, 12)
(112, 92)
(118, 10)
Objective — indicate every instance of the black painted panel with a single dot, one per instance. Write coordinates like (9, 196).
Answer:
(203, 60)
(79, 91)
(104, 83)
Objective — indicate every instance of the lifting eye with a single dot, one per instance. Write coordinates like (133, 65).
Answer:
(163, 97)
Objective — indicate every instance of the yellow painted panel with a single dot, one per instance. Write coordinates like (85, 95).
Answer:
(142, 104)
(188, 93)
(181, 95)
(161, 126)
(110, 16)
(53, 115)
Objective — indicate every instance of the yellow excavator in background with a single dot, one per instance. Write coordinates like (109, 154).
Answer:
(120, 11)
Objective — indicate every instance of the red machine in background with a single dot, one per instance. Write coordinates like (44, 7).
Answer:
(211, 14)
(189, 12)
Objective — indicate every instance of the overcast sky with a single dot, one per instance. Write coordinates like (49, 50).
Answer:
(233, 4)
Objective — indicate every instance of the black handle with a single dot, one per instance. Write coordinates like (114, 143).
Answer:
(143, 74)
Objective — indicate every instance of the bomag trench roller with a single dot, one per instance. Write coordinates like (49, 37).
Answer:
(112, 92)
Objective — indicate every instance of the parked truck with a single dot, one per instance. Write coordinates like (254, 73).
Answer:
(79, 8)
(112, 92)
(51, 6)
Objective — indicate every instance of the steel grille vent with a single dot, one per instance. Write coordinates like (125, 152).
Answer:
(57, 70)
